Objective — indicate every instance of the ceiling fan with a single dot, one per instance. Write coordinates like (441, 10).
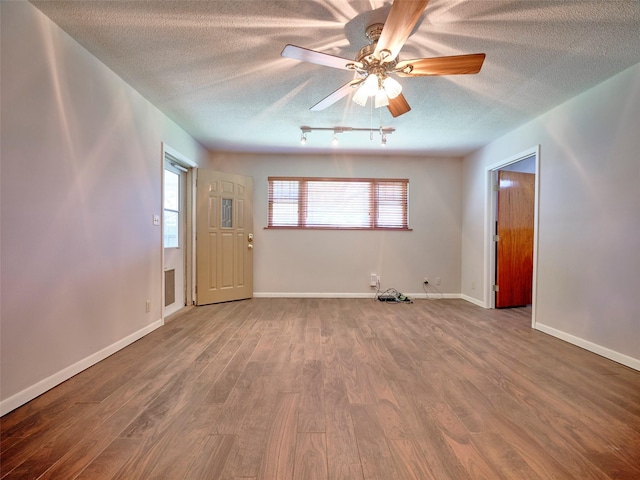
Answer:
(377, 62)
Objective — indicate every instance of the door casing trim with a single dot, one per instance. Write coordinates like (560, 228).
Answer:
(191, 166)
(490, 220)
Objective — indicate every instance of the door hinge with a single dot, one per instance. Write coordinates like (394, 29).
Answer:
(496, 288)
(496, 188)
(496, 238)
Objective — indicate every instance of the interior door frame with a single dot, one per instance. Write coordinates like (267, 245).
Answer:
(189, 216)
(490, 221)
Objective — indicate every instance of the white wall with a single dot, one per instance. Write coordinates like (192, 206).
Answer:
(81, 180)
(588, 287)
(330, 263)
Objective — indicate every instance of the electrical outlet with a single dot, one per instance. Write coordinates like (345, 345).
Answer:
(438, 280)
(473, 285)
(373, 280)
(425, 280)
(148, 305)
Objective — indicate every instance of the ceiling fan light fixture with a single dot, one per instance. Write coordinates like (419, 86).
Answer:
(381, 99)
(371, 84)
(360, 96)
(371, 87)
(392, 87)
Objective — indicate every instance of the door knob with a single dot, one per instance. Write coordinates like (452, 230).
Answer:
(250, 246)
(250, 237)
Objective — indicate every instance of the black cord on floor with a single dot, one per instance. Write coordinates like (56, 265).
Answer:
(393, 296)
(424, 287)
(375, 297)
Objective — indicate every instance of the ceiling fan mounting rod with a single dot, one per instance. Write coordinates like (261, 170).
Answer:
(373, 32)
(367, 63)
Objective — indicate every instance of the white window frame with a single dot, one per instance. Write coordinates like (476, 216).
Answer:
(370, 210)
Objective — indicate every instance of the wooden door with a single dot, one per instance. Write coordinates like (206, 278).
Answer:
(224, 238)
(514, 248)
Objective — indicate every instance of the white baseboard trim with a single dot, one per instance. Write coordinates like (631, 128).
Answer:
(590, 346)
(311, 295)
(48, 383)
(432, 296)
(475, 301)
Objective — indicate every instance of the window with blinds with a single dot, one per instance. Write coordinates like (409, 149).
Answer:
(338, 203)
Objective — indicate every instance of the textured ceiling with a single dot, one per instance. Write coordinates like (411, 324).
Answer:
(215, 66)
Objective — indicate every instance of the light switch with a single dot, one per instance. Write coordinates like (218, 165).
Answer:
(156, 219)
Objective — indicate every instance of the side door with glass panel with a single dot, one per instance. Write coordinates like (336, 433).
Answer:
(174, 234)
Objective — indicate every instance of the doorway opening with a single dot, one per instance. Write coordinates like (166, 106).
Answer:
(177, 231)
(523, 164)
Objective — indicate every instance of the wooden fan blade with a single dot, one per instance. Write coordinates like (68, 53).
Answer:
(343, 91)
(456, 65)
(402, 18)
(319, 58)
(398, 106)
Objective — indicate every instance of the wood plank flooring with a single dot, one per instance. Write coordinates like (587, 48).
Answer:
(336, 389)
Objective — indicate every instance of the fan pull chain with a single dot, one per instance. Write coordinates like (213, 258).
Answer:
(371, 122)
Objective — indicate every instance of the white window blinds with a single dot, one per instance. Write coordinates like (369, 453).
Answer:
(338, 203)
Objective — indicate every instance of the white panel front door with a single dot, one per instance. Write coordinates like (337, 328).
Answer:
(224, 237)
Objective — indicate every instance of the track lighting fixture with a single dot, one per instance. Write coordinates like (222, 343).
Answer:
(382, 131)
